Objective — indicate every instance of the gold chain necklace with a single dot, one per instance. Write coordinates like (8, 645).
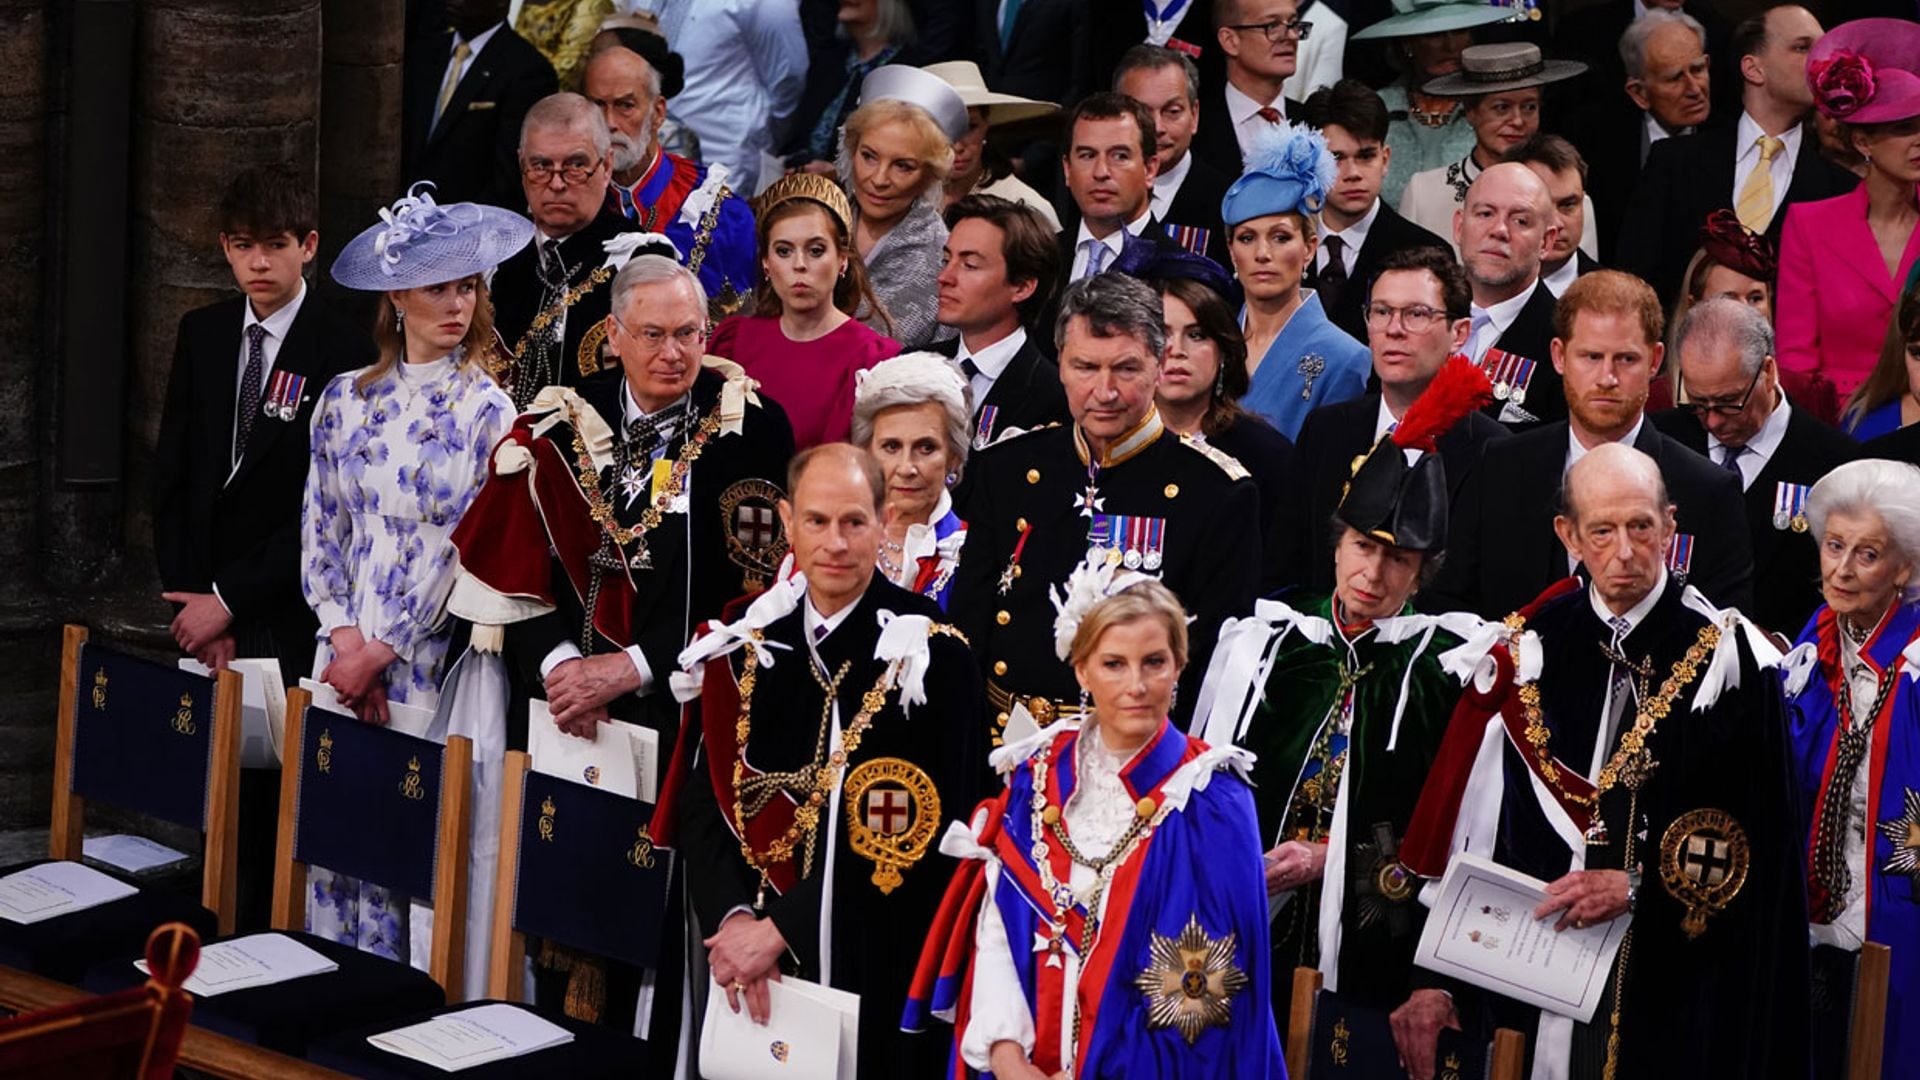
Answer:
(601, 509)
(545, 318)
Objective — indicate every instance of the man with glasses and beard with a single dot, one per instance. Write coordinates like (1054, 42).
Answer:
(630, 76)
(1739, 417)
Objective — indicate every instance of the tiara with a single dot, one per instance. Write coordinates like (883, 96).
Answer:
(804, 185)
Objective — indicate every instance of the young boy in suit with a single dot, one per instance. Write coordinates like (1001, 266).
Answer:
(230, 467)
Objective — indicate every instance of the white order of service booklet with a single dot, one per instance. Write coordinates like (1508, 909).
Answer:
(812, 1033)
(246, 962)
(621, 758)
(471, 1037)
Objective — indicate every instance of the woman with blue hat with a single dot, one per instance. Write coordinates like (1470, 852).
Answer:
(1297, 360)
(400, 448)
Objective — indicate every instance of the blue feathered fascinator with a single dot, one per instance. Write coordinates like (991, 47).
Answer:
(1288, 171)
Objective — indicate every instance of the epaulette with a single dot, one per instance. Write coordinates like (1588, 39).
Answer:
(1227, 462)
(1012, 434)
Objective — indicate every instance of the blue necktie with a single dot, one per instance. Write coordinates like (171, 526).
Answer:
(1008, 14)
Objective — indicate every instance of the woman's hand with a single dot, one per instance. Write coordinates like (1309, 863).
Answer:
(354, 674)
(1294, 863)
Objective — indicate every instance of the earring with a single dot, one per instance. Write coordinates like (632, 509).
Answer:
(1173, 700)
(1220, 383)
(952, 479)
(1086, 703)
(399, 320)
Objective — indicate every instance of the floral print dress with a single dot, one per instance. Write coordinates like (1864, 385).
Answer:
(394, 468)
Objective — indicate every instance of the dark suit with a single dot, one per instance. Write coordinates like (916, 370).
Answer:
(1502, 550)
(1530, 334)
(517, 292)
(1196, 205)
(1048, 56)
(237, 529)
(1786, 565)
(1269, 457)
(1389, 233)
(1135, 251)
(1330, 440)
(1215, 141)
(1690, 176)
(1900, 444)
(1025, 395)
(472, 154)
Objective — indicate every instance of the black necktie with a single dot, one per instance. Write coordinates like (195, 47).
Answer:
(249, 389)
(1334, 275)
(1730, 458)
(972, 369)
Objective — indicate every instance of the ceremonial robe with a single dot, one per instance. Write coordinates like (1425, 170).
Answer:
(1726, 996)
(710, 224)
(572, 343)
(843, 924)
(1889, 833)
(1191, 884)
(1188, 512)
(1343, 725)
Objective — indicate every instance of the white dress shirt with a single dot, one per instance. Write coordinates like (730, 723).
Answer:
(1498, 318)
(1560, 280)
(1746, 157)
(1610, 710)
(1114, 241)
(1760, 448)
(276, 326)
(746, 64)
(1383, 421)
(991, 360)
(1166, 185)
(1351, 239)
(1245, 114)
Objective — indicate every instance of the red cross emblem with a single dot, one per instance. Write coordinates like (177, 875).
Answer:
(888, 811)
(753, 525)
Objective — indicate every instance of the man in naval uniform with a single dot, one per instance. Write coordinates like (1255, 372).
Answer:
(1638, 764)
(550, 300)
(646, 497)
(837, 726)
(709, 223)
(1114, 479)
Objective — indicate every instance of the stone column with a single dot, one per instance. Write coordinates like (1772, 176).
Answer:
(360, 90)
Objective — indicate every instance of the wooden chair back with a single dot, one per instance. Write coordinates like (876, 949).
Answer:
(1867, 1034)
(300, 826)
(133, 1034)
(219, 818)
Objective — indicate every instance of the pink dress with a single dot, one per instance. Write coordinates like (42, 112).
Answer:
(811, 380)
(1834, 297)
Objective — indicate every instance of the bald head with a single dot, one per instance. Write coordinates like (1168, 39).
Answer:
(1501, 228)
(1617, 524)
(845, 462)
(1613, 471)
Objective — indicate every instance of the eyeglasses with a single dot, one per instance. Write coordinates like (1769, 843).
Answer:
(687, 337)
(1727, 408)
(1416, 319)
(1274, 29)
(541, 171)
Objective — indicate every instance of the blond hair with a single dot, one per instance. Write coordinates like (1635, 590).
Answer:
(1144, 600)
(477, 347)
(935, 149)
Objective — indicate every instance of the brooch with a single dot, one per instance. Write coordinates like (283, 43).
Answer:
(1703, 864)
(1904, 834)
(1190, 980)
(893, 812)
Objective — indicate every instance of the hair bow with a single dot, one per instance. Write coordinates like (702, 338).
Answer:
(415, 215)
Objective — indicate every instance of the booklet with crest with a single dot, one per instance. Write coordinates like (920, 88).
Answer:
(1482, 931)
(470, 1037)
(621, 758)
(812, 1033)
(56, 888)
(406, 719)
(263, 708)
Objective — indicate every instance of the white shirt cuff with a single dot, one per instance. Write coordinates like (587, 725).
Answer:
(223, 600)
(999, 1005)
(640, 665)
(561, 653)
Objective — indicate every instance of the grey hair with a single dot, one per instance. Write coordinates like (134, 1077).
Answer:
(892, 23)
(915, 378)
(1888, 489)
(654, 84)
(1633, 43)
(1726, 321)
(652, 270)
(568, 112)
(1114, 305)
(1618, 458)
(1153, 58)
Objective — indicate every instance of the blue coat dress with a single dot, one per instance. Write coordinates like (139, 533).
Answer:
(1311, 363)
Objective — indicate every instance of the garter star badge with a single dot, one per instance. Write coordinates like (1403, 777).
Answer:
(1904, 834)
(1190, 980)
(893, 812)
(1703, 864)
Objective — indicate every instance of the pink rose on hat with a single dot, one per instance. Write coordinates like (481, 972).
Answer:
(1841, 83)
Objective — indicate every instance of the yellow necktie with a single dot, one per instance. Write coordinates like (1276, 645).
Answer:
(462, 50)
(1755, 207)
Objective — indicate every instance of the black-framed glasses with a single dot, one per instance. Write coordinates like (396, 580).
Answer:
(1274, 29)
(1415, 319)
(1727, 408)
(541, 171)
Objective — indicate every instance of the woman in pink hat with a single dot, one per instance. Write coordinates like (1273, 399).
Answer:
(1842, 259)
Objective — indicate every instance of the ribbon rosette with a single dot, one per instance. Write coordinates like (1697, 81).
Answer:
(413, 216)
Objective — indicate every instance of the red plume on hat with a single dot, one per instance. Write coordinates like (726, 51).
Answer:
(1460, 387)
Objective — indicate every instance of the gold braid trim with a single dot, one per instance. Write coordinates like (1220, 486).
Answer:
(499, 365)
(602, 511)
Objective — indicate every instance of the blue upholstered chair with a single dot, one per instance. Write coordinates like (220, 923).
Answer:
(1332, 1036)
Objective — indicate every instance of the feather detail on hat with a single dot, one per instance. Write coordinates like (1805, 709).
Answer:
(1458, 388)
(1094, 580)
(1294, 152)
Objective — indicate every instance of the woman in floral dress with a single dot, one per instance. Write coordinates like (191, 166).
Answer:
(399, 451)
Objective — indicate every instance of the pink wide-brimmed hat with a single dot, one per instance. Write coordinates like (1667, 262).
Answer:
(1867, 71)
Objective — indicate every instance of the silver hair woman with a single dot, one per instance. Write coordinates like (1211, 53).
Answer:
(912, 412)
(1853, 717)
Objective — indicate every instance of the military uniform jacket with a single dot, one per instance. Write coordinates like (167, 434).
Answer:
(1189, 514)
(911, 773)
(518, 289)
(526, 542)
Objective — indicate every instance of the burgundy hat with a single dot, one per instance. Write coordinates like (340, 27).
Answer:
(1867, 71)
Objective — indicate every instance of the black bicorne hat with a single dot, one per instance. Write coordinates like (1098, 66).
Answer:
(1406, 505)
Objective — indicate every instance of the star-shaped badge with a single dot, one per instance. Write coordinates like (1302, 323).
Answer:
(1090, 502)
(633, 481)
(1904, 833)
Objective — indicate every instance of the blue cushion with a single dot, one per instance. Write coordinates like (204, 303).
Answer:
(594, 1052)
(64, 947)
(288, 1017)
(143, 736)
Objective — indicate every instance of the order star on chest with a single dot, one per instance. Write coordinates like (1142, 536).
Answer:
(1090, 501)
(634, 480)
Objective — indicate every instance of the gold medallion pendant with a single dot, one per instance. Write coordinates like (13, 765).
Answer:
(1703, 864)
(1190, 980)
(893, 812)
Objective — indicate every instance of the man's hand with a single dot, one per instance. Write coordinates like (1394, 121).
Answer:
(1587, 897)
(1416, 1030)
(577, 687)
(202, 618)
(744, 949)
(1293, 864)
(218, 653)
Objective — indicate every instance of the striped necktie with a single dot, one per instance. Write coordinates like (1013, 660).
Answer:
(1755, 205)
